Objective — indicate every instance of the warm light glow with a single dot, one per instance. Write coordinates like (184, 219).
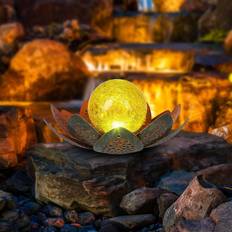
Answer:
(230, 77)
(156, 61)
(117, 103)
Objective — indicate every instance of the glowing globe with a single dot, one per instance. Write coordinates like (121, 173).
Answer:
(117, 103)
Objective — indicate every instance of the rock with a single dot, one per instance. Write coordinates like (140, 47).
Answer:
(56, 222)
(164, 201)
(112, 227)
(17, 133)
(218, 18)
(196, 151)
(53, 211)
(176, 181)
(222, 217)
(30, 208)
(94, 182)
(6, 201)
(49, 229)
(10, 216)
(55, 70)
(219, 175)
(71, 216)
(198, 197)
(87, 229)
(86, 218)
(6, 226)
(195, 5)
(97, 12)
(204, 225)
(150, 28)
(141, 201)
(10, 34)
(132, 222)
(168, 5)
(69, 228)
(19, 182)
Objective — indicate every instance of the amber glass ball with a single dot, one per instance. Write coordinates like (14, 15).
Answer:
(117, 103)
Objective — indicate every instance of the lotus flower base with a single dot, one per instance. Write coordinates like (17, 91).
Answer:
(78, 131)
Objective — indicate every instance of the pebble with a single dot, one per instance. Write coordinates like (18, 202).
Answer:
(53, 211)
(56, 222)
(71, 216)
(69, 228)
(86, 218)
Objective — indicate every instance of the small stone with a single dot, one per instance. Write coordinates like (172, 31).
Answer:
(23, 221)
(6, 226)
(195, 203)
(56, 222)
(164, 201)
(176, 181)
(132, 222)
(48, 229)
(222, 217)
(71, 216)
(87, 229)
(6, 200)
(141, 201)
(10, 216)
(86, 218)
(19, 182)
(53, 211)
(30, 208)
(69, 228)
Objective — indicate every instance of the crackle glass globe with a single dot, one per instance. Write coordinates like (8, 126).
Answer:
(117, 103)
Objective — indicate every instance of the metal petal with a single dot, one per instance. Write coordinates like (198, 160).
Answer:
(158, 128)
(61, 118)
(117, 142)
(65, 138)
(80, 129)
(169, 136)
(176, 112)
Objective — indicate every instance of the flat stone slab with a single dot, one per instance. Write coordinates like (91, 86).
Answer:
(82, 179)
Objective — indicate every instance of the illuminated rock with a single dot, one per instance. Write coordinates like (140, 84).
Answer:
(148, 28)
(117, 103)
(40, 70)
(168, 5)
(17, 133)
(9, 34)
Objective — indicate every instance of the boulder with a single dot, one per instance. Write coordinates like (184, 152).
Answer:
(195, 203)
(40, 70)
(74, 178)
(222, 217)
(141, 201)
(17, 133)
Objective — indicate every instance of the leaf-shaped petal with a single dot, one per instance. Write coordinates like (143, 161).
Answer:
(158, 128)
(169, 136)
(118, 141)
(61, 118)
(66, 138)
(176, 112)
(80, 129)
